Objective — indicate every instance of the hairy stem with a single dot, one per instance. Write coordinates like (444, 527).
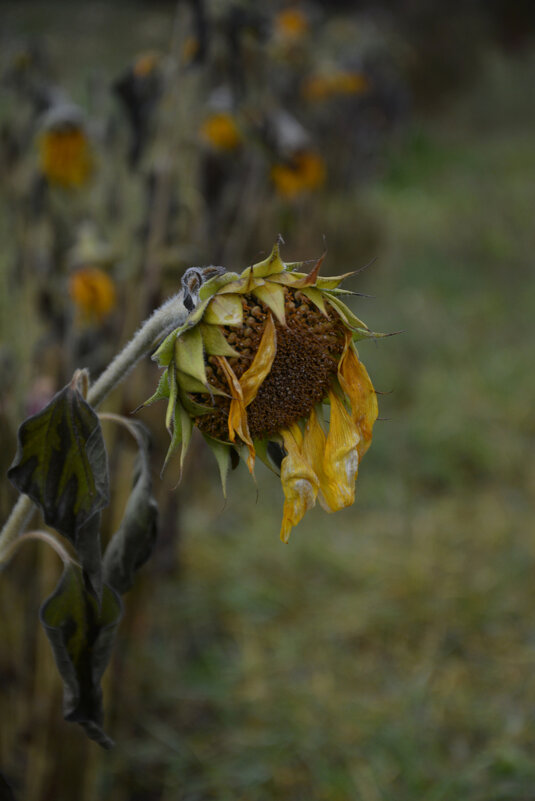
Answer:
(167, 317)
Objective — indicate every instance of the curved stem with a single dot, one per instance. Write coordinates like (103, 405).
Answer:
(163, 320)
(167, 317)
(55, 544)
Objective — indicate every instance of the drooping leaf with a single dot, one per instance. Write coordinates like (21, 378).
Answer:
(132, 544)
(61, 464)
(6, 793)
(81, 636)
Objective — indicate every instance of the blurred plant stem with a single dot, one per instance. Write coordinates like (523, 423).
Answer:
(168, 316)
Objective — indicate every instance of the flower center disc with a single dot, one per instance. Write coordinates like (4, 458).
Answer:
(307, 356)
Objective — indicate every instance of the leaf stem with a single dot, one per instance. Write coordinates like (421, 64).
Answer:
(168, 316)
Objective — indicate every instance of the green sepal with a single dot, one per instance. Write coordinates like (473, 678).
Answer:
(165, 351)
(295, 280)
(188, 383)
(273, 296)
(193, 408)
(173, 393)
(332, 281)
(343, 311)
(162, 391)
(243, 284)
(221, 452)
(189, 355)
(181, 435)
(260, 446)
(316, 297)
(214, 341)
(271, 265)
(211, 287)
(164, 354)
(224, 310)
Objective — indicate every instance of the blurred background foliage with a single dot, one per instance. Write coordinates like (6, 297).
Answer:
(386, 653)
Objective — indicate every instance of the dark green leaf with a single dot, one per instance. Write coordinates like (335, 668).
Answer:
(133, 542)
(6, 793)
(61, 464)
(81, 636)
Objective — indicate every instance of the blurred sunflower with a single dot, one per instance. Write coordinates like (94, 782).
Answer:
(319, 88)
(220, 131)
(256, 361)
(93, 293)
(291, 24)
(64, 148)
(304, 172)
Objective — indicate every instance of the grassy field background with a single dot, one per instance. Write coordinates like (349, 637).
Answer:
(388, 652)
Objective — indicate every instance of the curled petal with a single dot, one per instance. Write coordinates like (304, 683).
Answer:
(299, 483)
(356, 384)
(341, 460)
(237, 416)
(253, 377)
(314, 444)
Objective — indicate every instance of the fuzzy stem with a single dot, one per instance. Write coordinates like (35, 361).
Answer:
(167, 317)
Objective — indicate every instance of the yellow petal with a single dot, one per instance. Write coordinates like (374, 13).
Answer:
(313, 447)
(340, 460)
(356, 384)
(253, 377)
(299, 483)
(237, 416)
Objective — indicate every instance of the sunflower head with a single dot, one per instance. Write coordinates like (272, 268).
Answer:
(220, 131)
(303, 173)
(65, 152)
(93, 293)
(268, 356)
(321, 87)
(291, 24)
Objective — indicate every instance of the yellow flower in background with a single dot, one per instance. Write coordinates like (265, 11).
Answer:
(190, 49)
(220, 131)
(65, 155)
(291, 24)
(268, 356)
(304, 172)
(93, 292)
(146, 63)
(318, 88)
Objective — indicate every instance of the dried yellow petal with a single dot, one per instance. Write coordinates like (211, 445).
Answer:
(340, 460)
(299, 483)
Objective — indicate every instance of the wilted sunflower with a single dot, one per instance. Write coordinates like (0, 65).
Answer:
(93, 292)
(268, 356)
(64, 148)
(221, 132)
(304, 172)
